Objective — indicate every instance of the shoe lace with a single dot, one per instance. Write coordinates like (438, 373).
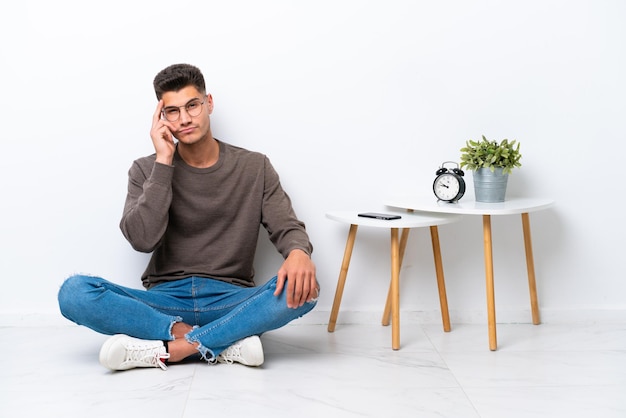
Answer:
(228, 356)
(151, 356)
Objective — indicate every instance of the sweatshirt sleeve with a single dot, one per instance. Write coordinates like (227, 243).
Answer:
(148, 200)
(285, 230)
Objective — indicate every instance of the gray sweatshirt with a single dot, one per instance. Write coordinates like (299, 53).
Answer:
(205, 221)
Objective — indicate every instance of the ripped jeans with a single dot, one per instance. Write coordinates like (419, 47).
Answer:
(221, 313)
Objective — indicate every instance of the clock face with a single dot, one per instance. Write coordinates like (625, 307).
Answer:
(447, 187)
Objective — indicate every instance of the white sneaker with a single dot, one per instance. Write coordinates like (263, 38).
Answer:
(121, 352)
(248, 351)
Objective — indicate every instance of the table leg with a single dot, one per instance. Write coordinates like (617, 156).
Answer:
(395, 290)
(387, 312)
(530, 265)
(491, 305)
(343, 273)
(441, 284)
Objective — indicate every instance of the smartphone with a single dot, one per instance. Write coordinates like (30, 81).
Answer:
(385, 216)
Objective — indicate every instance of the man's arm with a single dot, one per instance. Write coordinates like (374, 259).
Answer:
(145, 216)
(289, 236)
(146, 211)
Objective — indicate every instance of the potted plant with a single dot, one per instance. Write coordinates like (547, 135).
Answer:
(491, 162)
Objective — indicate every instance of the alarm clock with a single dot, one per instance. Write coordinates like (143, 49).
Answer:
(449, 185)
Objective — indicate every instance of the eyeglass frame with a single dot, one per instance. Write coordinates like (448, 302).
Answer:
(181, 107)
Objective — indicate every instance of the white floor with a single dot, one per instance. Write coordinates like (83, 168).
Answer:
(537, 371)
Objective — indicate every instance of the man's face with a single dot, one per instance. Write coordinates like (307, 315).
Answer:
(188, 111)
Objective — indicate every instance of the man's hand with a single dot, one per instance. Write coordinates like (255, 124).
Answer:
(299, 272)
(162, 139)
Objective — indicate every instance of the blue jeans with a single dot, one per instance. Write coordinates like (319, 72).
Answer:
(221, 313)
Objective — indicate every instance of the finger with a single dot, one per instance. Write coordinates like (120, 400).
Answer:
(291, 286)
(299, 294)
(157, 113)
(166, 132)
(305, 290)
(314, 292)
(159, 124)
(280, 283)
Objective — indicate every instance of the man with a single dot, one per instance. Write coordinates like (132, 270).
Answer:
(197, 204)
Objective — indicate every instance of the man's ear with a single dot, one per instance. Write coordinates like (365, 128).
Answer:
(209, 101)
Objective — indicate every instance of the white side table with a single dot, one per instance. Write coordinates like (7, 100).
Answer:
(512, 206)
(408, 221)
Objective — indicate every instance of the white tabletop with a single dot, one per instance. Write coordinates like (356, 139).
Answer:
(465, 206)
(407, 220)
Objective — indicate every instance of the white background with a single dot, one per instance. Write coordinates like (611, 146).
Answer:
(353, 101)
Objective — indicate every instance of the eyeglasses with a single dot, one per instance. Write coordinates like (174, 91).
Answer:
(193, 108)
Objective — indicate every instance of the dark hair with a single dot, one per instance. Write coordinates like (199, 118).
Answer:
(176, 77)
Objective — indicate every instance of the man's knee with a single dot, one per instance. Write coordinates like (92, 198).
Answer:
(73, 292)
